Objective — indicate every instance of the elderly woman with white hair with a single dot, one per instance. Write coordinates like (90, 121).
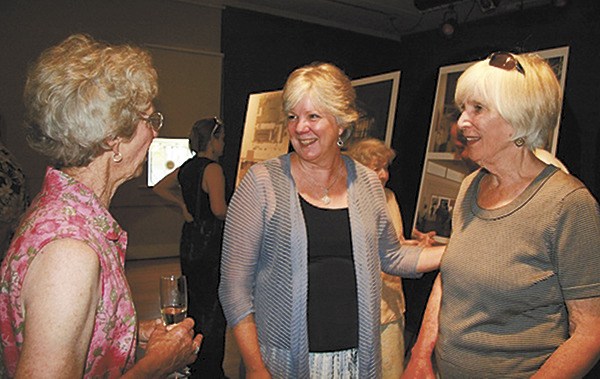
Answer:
(519, 288)
(66, 307)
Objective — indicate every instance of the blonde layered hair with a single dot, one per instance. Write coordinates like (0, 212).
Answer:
(529, 102)
(82, 93)
(329, 89)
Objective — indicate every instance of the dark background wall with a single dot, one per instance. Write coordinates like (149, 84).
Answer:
(260, 51)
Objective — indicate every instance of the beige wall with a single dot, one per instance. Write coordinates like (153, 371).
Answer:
(185, 39)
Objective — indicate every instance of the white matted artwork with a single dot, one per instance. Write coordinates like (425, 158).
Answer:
(165, 155)
(446, 163)
(265, 133)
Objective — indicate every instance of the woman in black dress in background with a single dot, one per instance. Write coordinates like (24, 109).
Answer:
(198, 187)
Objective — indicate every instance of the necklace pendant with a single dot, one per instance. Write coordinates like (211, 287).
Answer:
(326, 199)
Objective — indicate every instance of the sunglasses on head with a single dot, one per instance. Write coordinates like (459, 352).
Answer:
(505, 61)
(218, 123)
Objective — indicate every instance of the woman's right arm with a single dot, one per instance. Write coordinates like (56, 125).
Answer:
(169, 189)
(60, 292)
(420, 365)
(242, 239)
(60, 315)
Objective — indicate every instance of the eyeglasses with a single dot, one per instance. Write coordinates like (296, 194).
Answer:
(505, 61)
(155, 120)
(218, 123)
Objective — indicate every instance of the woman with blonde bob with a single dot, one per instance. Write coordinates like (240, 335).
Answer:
(518, 293)
(304, 236)
(67, 310)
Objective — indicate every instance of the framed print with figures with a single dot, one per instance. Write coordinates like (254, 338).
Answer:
(446, 161)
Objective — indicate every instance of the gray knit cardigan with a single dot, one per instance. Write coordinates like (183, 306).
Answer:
(264, 263)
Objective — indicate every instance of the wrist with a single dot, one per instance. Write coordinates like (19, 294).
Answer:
(143, 369)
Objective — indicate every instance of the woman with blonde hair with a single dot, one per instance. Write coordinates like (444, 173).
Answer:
(304, 237)
(67, 310)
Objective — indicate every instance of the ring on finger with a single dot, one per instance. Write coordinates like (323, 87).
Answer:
(196, 349)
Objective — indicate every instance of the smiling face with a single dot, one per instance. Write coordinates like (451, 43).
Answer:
(313, 134)
(488, 135)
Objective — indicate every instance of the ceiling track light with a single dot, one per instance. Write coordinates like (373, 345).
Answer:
(449, 23)
(487, 6)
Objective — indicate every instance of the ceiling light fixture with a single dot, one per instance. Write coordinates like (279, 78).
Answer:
(450, 23)
(487, 5)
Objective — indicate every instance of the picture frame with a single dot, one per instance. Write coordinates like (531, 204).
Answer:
(376, 100)
(446, 164)
(265, 133)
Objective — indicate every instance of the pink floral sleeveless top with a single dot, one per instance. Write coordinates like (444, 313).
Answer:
(67, 209)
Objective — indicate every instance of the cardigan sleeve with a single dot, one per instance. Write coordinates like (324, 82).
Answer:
(242, 239)
(395, 259)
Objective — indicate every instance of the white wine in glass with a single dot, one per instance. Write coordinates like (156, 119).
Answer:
(173, 307)
(173, 299)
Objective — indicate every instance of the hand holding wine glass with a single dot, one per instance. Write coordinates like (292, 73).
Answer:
(173, 299)
(173, 308)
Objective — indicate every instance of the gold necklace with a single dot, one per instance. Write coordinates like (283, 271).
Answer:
(325, 199)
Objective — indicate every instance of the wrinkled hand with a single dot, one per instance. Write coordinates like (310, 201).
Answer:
(418, 369)
(173, 348)
(145, 330)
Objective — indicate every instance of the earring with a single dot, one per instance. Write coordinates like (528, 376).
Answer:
(117, 157)
(519, 142)
(339, 142)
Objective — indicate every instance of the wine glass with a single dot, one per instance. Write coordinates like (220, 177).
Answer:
(173, 307)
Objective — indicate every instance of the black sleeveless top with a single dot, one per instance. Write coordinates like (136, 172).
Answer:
(332, 295)
(190, 178)
(200, 239)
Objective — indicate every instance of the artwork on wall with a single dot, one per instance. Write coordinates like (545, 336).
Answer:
(376, 99)
(446, 162)
(265, 133)
(165, 155)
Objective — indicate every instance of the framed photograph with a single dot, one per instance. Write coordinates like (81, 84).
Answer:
(265, 133)
(446, 162)
(376, 99)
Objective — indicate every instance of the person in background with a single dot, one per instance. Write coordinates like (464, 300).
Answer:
(13, 196)
(374, 154)
(518, 293)
(67, 310)
(303, 241)
(198, 188)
